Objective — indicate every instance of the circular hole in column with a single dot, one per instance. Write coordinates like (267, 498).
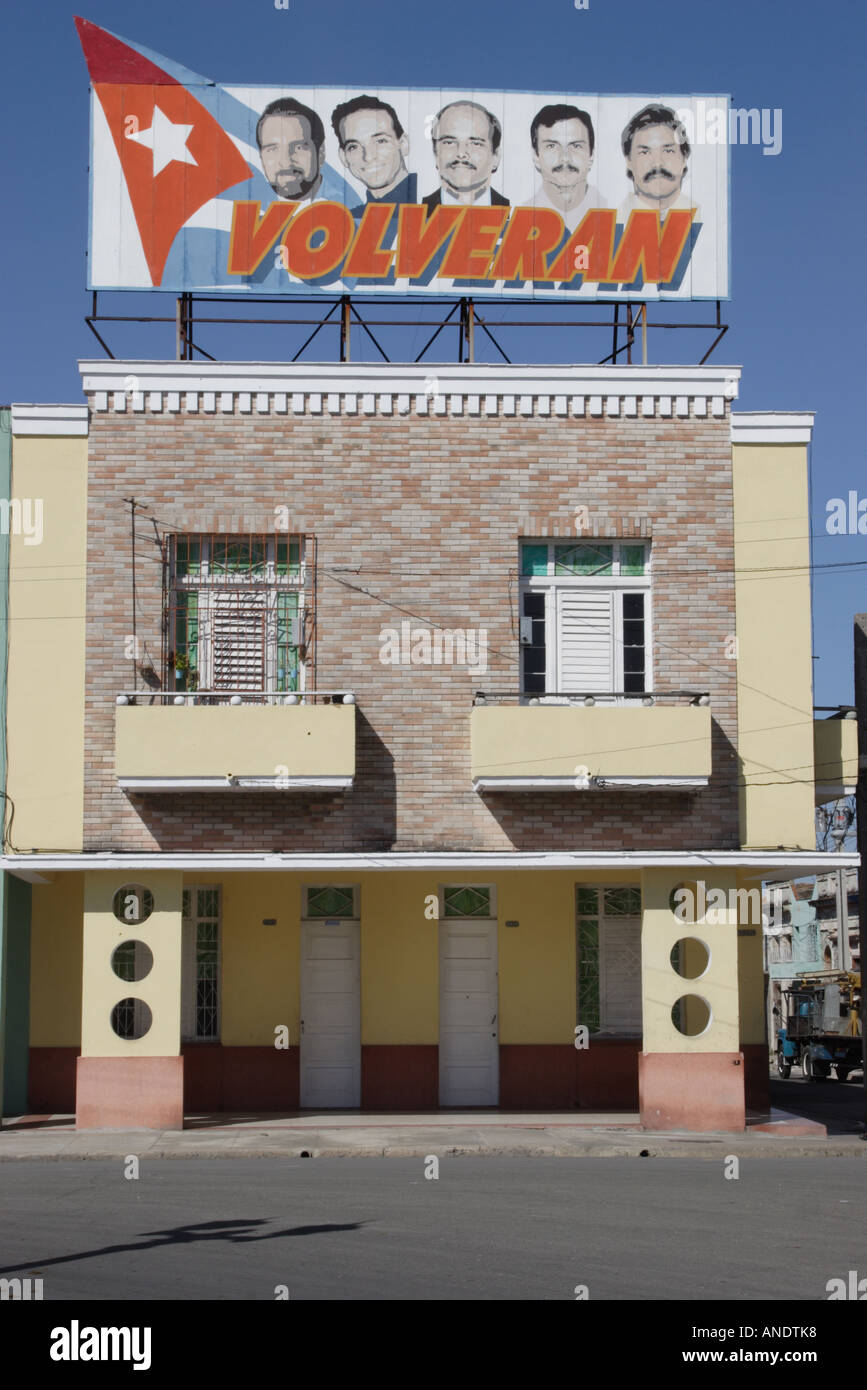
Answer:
(682, 902)
(132, 960)
(133, 904)
(690, 957)
(691, 1015)
(131, 1019)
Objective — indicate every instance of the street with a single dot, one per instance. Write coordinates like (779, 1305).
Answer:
(485, 1229)
(840, 1106)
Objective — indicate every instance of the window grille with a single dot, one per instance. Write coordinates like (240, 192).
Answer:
(200, 964)
(608, 950)
(238, 613)
(331, 902)
(467, 901)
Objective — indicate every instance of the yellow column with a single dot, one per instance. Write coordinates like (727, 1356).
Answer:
(131, 1082)
(694, 1079)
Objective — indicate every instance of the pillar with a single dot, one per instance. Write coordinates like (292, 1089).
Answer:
(131, 1081)
(693, 1081)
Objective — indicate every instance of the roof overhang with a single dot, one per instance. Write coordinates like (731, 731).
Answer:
(759, 865)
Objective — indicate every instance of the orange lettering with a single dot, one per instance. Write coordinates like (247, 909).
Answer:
(420, 235)
(473, 243)
(596, 232)
(366, 257)
(530, 235)
(652, 248)
(252, 236)
(308, 262)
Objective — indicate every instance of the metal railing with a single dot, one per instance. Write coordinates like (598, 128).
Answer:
(592, 697)
(236, 697)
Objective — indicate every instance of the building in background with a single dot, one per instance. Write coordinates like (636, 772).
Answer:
(388, 737)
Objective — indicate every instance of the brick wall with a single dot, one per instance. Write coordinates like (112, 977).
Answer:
(424, 515)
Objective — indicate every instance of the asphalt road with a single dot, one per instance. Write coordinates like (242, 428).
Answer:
(840, 1105)
(486, 1229)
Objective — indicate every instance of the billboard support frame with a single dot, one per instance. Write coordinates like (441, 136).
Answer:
(468, 321)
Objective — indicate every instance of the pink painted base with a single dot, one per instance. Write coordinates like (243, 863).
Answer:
(129, 1093)
(696, 1090)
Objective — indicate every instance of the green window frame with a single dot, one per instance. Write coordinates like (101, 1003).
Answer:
(201, 963)
(468, 900)
(594, 906)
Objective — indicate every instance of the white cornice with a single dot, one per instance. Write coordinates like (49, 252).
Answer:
(755, 863)
(323, 389)
(49, 419)
(772, 427)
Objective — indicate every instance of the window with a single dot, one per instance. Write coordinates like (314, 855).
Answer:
(585, 617)
(234, 613)
(608, 947)
(200, 964)
(331, 901)
(467, 901)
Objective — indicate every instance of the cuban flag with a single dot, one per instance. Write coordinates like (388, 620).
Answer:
(170, 153)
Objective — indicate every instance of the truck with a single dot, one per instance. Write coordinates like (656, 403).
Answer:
(821, 1026)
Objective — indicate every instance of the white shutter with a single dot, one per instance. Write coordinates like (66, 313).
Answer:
(585, 646)
(620, 975)
(238, 636)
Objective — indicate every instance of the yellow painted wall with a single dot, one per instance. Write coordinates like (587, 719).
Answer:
(835, 747)
(55, 962)
(662, 986)
(751, 979)
(400, 955)
(102, 989)
(260, 965)
(537, 958)
(400, 948)
(46, 646)
(245, 740)
(774, 666)
(399, 959)
(621, 741)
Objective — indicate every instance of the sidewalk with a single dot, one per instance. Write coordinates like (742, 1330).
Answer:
(342, 1134)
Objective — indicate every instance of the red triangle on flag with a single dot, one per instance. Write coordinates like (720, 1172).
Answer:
(174, 155)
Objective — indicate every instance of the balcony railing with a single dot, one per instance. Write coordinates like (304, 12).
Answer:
(590, 740)
(218, 740)
(592, 697)
(236, 697)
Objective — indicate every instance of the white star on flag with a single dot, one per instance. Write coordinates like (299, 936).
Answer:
(167, 141)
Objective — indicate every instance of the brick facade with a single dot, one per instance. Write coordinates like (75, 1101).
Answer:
(415, 516)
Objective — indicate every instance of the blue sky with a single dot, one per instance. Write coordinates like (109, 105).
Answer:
(798, 274)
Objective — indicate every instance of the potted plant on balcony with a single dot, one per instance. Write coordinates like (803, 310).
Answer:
(186, 676)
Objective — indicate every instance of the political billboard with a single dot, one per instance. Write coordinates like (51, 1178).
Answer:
(307, 189)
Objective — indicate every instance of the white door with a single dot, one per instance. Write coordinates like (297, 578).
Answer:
(330, 1014)
(469, 1024)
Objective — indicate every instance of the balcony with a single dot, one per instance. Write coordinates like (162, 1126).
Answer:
(635, 743)
(219, 741)
(835, 755)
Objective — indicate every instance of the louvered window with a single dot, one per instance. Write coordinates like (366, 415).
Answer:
(585, 615)
(236, 609)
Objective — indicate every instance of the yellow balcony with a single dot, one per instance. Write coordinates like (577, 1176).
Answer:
(246, 747)
(835, 757)
(601, 747)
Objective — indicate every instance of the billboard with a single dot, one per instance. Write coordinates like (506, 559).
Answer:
(299, 189)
